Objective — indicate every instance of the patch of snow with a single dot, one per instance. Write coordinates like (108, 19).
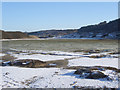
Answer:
(111, 62)
(26, 63)
(2, 54)
(53, 52)
(52, 64)
(44, 55)
(7, 62)
(14, 77)
(41, 57)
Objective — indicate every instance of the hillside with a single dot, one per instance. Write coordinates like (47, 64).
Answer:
(102, 30)
(52, 33)
(15, 35)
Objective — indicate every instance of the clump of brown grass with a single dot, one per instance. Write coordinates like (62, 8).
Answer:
(97, 56)
(114, 53)
(8, 57)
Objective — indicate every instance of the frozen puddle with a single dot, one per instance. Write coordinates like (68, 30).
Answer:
(14, 77)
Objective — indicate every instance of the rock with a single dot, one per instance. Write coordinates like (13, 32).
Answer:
(80, 71)
(96, 75)
(17, 63)
(90, 74)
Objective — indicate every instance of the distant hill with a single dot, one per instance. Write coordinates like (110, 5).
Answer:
(15, 35)
(52, 33)
(102, 30)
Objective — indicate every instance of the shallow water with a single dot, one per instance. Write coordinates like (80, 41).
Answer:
(60, 44)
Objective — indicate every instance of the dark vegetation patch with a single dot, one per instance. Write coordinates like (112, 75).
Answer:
(103, 56)
(30, 63)
(90, 74)
(101, 68)
(93, 51)
(114, 53)
(93, 88)
(98, 56)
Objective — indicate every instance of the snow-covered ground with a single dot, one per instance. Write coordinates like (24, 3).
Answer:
(41, 57)
(50, 55)
(109, 62)
(14, 77)
(17, 77)
(2, 54)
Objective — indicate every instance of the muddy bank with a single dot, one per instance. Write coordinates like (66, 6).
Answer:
(30, 63)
